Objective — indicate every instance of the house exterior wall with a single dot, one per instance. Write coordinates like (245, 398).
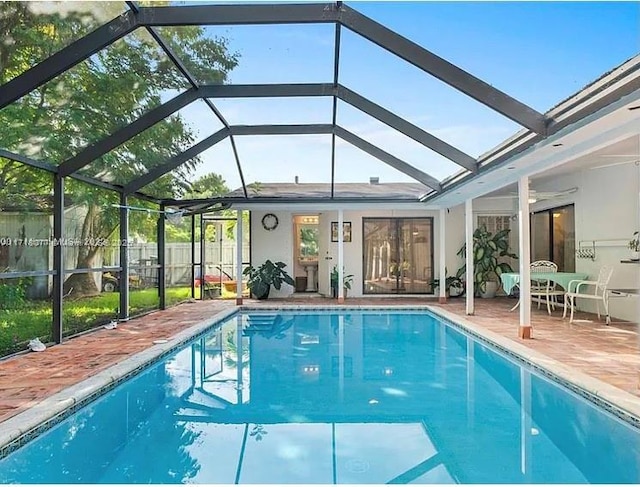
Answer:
(35, 253)
(19, 232)
(278, 244)
(606, 211)
(16, 231)
(454, 227)
(275, 245)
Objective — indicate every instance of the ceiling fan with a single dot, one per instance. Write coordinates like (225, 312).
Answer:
(629, 159)
(535, 196)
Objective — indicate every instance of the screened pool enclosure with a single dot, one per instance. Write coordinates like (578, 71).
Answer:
(109, 108)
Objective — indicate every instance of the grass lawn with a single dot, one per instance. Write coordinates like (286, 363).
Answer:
(17, 327)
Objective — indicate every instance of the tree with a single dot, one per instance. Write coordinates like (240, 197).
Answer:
(95, 98)
(208, 186)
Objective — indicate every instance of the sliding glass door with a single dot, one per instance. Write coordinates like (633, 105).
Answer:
(397, 255)
(553, 237)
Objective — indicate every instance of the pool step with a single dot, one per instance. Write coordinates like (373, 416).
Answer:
(267, 325)
(260, 322)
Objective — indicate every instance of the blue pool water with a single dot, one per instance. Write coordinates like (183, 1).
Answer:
(362, 397)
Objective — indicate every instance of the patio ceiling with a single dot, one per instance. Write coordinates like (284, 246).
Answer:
(537, 127)
(622, 152)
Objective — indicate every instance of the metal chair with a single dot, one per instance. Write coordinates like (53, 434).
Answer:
(599, 294)
(544, 288)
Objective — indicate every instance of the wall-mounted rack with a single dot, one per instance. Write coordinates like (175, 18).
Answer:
(587, 248)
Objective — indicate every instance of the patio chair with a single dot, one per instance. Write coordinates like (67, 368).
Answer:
(599, 293)
(544, 288)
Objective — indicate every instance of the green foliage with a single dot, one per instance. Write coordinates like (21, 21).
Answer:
(208, 186)
(454, 282)
(268, 274)
(255, 187)
(487, 250)
(13, 293)
(347, 279)
(309, 242)
(92, 100)
(33, 319)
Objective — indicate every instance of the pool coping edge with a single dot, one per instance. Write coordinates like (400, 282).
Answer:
(577, 381)
(21, 428)
(30, 421)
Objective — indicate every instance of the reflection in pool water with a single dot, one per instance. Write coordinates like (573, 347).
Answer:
(360, 397)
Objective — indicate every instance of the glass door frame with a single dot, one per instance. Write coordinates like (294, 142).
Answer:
(398, 248)
(550, 212)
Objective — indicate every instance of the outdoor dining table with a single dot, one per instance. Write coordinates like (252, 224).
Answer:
(562, 279)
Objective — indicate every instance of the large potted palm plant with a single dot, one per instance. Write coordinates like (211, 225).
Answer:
(269, 274)
(488, 249)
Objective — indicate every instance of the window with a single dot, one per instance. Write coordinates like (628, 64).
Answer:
(494, 223)
(497, 223)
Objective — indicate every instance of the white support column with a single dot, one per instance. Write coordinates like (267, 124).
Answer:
(442, 298)
(524, 330)
(239, 257)
(468, 230)
(340, 256)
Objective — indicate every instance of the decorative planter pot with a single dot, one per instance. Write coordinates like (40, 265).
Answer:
(262, 295)
(334, 292)
(634, 255)
(490, 288)
(436, 292)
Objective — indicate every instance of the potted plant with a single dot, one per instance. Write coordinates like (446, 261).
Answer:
(454, 286)
(634, 246)
(347, 279)
(268, 274)
(488, 248)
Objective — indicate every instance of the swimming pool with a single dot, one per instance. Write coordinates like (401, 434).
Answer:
(325, 397)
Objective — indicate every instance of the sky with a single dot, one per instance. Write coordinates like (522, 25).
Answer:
(537, 52)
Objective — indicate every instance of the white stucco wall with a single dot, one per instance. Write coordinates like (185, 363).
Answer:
(606, 210)
(275, 245)
(278, 244)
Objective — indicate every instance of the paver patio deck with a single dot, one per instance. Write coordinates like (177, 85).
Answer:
(608, 353)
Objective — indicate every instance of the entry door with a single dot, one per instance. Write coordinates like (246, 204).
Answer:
(325, 259)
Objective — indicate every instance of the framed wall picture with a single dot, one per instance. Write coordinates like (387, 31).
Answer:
(346, 229)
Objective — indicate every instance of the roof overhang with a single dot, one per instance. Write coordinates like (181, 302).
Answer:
(601, 114)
